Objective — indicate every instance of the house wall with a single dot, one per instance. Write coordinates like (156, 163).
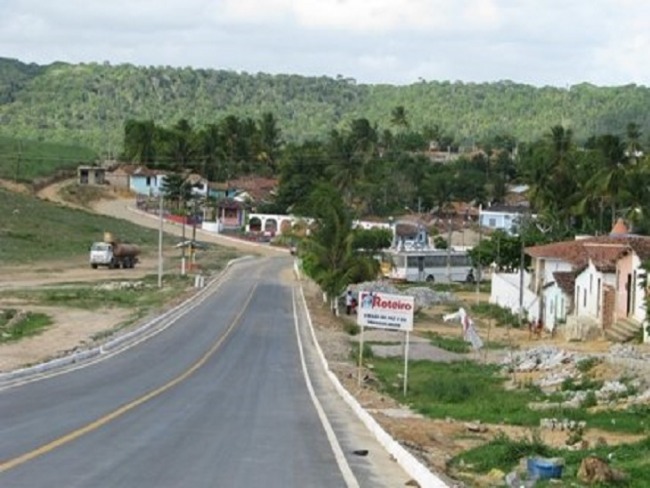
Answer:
(146, 185)
(505, 293)
(118, 180)
(630, 295)
(556, 306)
(499, 220)
(589, 292)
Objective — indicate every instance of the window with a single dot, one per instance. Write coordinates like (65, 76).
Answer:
(462, 260)
(492, 222)
(584, 298)
(435, 261)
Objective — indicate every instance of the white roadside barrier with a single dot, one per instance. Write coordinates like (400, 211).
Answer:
(409, 463)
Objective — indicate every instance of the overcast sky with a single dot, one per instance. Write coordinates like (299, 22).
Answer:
(539, 42)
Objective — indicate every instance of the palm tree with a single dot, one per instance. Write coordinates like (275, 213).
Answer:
(328, 255)
(398, 117)
(610, 180)
(140, 141)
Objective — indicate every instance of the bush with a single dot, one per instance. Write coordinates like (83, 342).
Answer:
(502, 316)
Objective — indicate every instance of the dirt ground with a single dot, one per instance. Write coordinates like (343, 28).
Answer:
(434, 441)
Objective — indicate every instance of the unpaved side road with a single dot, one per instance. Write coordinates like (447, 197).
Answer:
(125, 209)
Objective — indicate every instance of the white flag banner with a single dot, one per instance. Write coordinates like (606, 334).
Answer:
(470, 334)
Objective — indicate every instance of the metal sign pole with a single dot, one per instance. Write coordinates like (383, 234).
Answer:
(406, 362)
(360, 357)
(160, 240)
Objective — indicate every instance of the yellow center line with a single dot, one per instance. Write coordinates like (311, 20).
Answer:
(75, 434)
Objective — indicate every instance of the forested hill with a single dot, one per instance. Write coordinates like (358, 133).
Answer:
(89, 103)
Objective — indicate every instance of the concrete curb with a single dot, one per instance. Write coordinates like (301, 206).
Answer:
(405, 459)
(121, 341)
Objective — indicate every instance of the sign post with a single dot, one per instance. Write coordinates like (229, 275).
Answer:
(385, 311)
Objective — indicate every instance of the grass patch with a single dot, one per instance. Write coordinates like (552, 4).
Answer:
(14, 326)
(469, 391)
(632, 459)
(28, 160)
(502, 316)
(367, 351)
(34, 230)
(502, 453)
(89, 297)
(452, 344)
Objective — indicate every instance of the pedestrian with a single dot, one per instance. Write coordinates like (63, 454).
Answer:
(348, 302)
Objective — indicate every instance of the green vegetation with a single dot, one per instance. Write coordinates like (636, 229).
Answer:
(503, 317)
(34, 230)
(452, 344)
(142, 296)
(504, 453)
(29, 160)
(88, 103)
(15, 326)
(470, 391)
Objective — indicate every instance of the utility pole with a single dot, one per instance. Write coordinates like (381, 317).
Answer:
(522, 225)
(449, 251)
(160, 240)
(479, 267)
(19, 158)
(184, 215)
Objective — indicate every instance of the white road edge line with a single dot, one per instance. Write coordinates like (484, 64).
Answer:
(344, 467)
(404, 458)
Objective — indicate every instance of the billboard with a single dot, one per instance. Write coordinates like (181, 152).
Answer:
(385, 311)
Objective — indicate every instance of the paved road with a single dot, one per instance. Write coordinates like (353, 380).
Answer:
(218, 399)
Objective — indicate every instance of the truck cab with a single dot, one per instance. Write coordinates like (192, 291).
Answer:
(101, 254)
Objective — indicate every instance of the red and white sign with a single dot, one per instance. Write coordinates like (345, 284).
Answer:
(385, 311)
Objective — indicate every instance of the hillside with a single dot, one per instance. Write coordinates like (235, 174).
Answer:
(87, 104)
(35, 231)
(33, 161)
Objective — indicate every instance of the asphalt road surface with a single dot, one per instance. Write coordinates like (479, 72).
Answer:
(219, 399)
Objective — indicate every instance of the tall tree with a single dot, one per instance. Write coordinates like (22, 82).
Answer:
(181, 146)
(270, 141)
(399, 118)
(140, 141)
(329, 256)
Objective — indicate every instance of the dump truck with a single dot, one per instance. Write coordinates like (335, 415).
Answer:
(113, 254)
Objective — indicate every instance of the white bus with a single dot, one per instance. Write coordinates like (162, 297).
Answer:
(431, 265)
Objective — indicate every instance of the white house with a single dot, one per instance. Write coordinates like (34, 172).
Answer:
(503, 217)
(594, 282)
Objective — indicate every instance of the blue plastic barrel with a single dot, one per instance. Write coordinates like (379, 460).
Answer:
(544, 468)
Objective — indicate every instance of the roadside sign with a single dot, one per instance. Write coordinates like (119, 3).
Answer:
(385, 311)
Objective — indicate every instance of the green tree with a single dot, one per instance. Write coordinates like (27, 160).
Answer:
(140, 141)
(177, 190)
(399, 118)
(329, 256)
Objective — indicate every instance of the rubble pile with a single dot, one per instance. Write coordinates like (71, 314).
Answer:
(120, 285)
(628, 351)
(562, 424)
(424, 296)
(542, 358)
